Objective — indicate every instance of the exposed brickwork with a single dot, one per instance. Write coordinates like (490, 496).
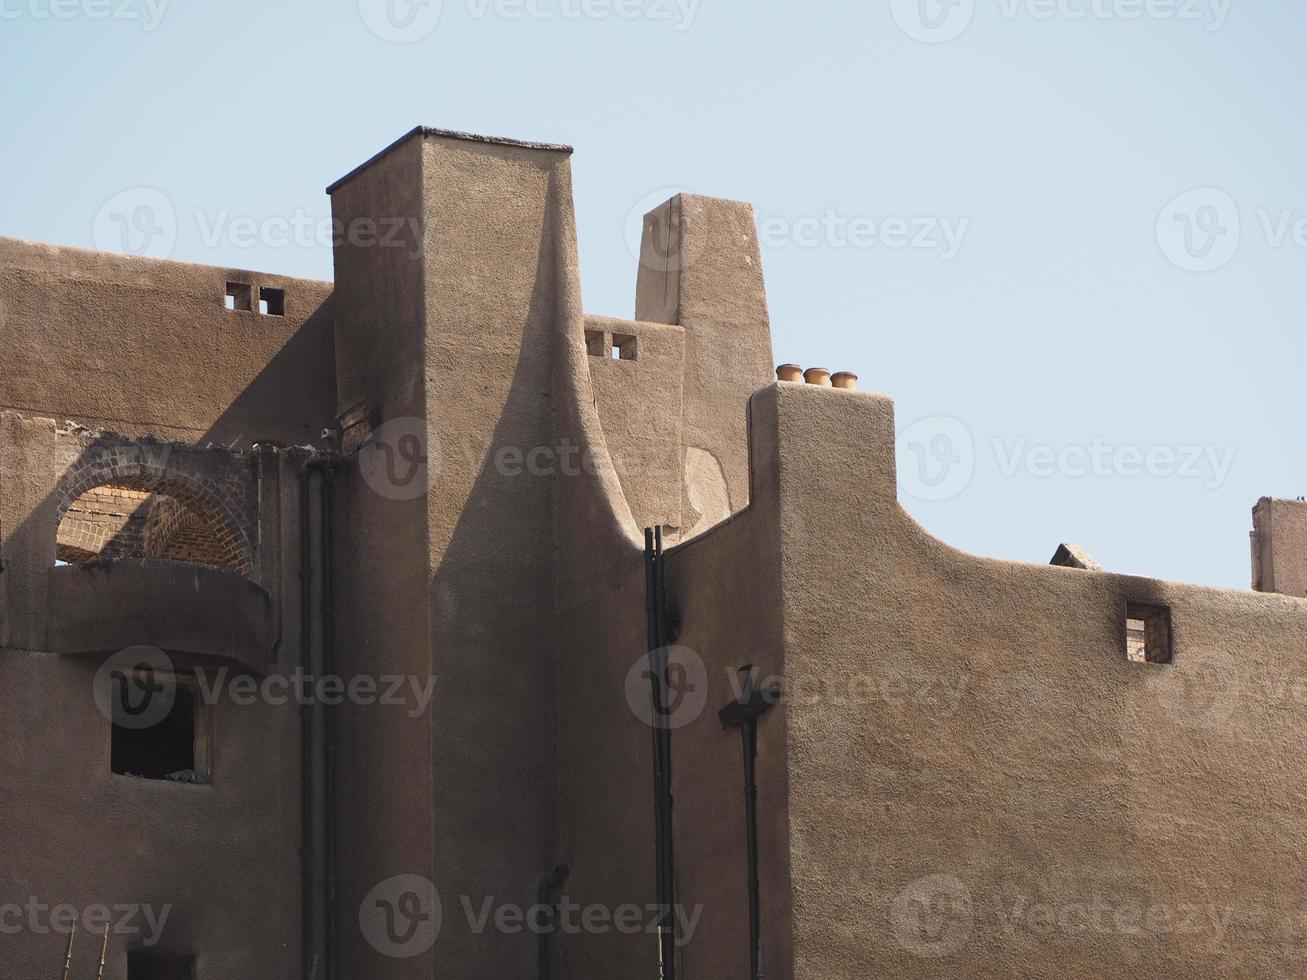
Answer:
(121, 497)
(105, 522)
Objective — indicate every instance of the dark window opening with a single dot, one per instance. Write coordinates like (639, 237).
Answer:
(148, 965)
(594, 343)
(1148, 633)
(158, 728)
(240, 297)
(623, 347)
(272, 302)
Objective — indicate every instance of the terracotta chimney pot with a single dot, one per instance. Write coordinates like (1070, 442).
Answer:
(817, 376)
(844, 379)
(789, 372)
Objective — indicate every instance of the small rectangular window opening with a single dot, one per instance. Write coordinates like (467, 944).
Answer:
(594, 343)
(272, 302)
(239, 297)
(160, 728)
(624, 347)
(143, 964)
(1148, 633)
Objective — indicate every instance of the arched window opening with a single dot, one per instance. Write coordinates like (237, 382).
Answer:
(145, 517)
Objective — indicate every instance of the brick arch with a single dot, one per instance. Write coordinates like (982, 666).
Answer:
(187, 518)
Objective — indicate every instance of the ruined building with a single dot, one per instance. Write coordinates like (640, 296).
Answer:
(431, 479)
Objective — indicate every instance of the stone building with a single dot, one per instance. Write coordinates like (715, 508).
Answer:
(326, 617)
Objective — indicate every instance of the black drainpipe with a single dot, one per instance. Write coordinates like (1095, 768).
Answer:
(327, 544)
(307, 935)
(665, 879)
(546, 907)
(744, 714)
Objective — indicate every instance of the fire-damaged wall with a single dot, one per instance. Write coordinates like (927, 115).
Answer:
(226, 521)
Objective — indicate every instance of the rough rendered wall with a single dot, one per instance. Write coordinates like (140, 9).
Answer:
(494, 214)
(455, 347)
(639, 403)
(140, 345)
(385, 751)
(980, 782)
(220, 860)
(724, 594)
(701, 268)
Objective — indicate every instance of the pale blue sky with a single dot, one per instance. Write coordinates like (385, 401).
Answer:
(1048, 139)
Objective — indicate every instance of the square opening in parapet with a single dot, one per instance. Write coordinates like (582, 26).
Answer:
(240, 297)
(272, 302)
(594, 343)
(1148, 633)
(624, 347)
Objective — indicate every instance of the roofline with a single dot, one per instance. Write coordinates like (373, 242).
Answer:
(448, 134)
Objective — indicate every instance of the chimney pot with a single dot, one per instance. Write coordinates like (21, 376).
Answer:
(844, 379)
(789, 372)
(817, 376)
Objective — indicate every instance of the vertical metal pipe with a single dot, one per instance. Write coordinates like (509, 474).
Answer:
(665, 880)
(651, 610)
(326, 546)
(749, 731)
(307, 934)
